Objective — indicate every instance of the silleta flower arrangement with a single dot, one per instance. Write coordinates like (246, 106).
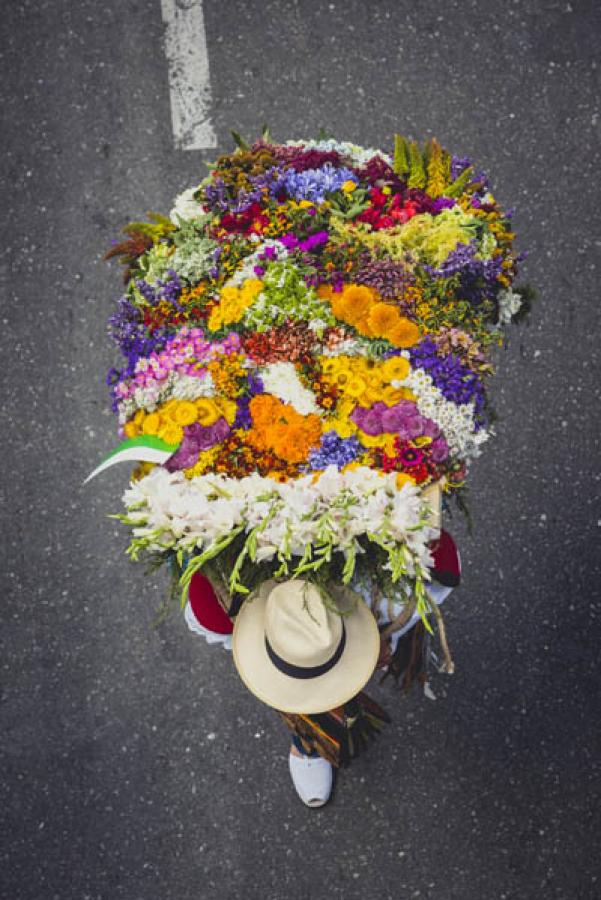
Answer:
(307, 342)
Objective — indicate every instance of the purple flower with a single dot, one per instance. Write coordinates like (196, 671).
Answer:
(334, 450)
(196, 439)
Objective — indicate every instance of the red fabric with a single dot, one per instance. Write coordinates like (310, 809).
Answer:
(206, 607)
(447, 565)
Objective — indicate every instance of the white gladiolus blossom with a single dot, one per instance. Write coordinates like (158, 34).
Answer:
(195, 513)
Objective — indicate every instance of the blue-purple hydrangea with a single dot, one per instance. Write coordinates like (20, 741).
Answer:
(334, 450)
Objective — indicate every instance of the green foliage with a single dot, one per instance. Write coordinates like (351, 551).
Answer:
(401, 163)
(240, 142)
(417, 174)
(460, 184)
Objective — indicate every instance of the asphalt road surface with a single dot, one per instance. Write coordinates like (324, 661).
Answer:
(134, 763)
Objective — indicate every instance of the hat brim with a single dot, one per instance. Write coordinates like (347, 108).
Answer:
(303, 695)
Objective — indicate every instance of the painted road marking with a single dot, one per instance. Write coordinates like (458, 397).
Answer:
(189, 80)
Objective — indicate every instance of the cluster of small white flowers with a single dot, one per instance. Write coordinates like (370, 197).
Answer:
(456, 422)
(358, 155)
(168, 509)
(246, 269)
(509, 305)
(185, 207)
(180, 387)
(281, 379)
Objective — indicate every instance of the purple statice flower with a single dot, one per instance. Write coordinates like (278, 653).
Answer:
(197, 438)
(455, 380)
(334, 450)
(314, 184)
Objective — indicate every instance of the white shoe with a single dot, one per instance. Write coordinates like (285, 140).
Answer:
(312, 778)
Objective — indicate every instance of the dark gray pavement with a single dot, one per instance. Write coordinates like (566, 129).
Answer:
(134, 763)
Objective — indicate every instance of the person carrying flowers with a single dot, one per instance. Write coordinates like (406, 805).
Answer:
(307, 349)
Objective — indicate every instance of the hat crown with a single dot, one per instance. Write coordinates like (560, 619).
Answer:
(298, 625)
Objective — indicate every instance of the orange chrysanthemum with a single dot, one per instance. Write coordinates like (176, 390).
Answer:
(356, 302)
(405, 334)
(278, 427)
(383, 318)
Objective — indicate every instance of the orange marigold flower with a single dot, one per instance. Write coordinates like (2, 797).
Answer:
(356, 302)
(383, 318)
(405, 334)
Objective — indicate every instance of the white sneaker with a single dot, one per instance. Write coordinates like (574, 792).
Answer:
(312, 778)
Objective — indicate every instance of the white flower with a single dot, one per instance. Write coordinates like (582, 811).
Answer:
(509, 305)
(186, 208)
(281, 379)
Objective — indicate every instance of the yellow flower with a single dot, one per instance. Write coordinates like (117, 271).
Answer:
(184, 413)
(402, 478)
(171, 433)
(349, 186)
(215, 320)
(368, 440)
(390, 395)
(228, 408)
(395, 368)
(151, 424)
(355, 386)
(207, 411)
(305, 204)
(139, 417)
(344, 428)
(130, 429)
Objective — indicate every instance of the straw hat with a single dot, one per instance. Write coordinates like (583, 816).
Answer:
(296, 655)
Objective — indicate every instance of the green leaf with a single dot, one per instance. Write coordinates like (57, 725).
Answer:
(240, 140)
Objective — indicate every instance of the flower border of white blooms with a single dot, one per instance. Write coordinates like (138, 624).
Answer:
(297, 523)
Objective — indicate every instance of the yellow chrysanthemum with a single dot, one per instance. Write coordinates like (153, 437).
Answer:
(355, 387)
(207, 411)
(185, 413)
(139, 417)
(171, 433)
(151, 424)
(390, 395)
(402, 478)
(396, 368)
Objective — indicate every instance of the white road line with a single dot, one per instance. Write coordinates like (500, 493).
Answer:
(189, 81)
